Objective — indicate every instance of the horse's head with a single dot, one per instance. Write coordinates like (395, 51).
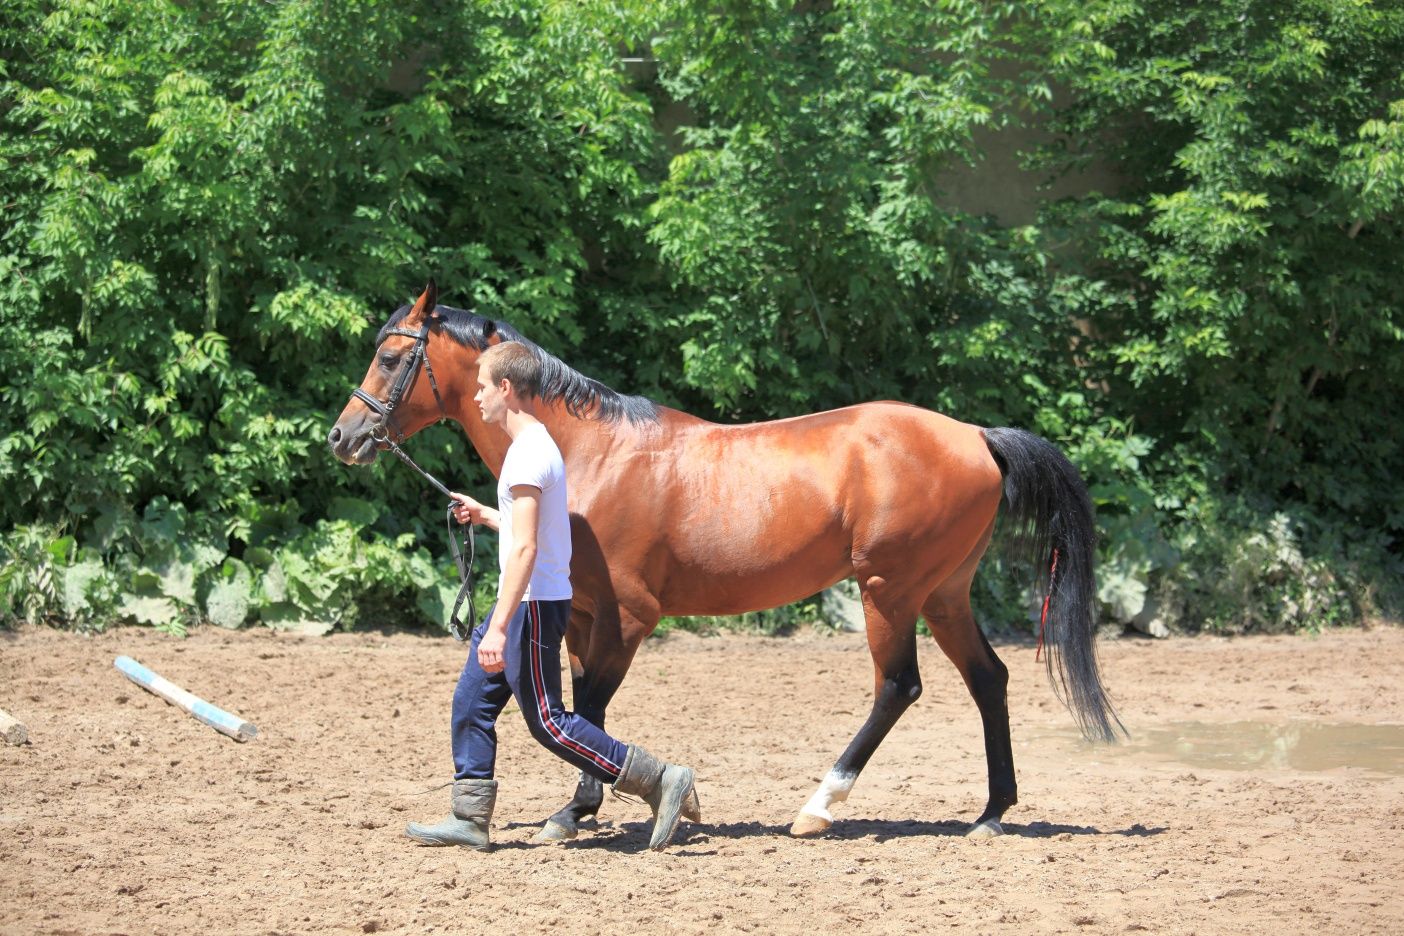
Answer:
(392, 402)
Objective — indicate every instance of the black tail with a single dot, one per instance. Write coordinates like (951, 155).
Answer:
(1050, 513)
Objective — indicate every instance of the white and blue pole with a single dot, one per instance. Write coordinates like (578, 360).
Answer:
(217, 718)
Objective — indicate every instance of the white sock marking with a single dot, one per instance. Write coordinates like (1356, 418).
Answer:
(834, 789)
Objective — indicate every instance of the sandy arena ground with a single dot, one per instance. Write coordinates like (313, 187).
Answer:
(1263, 792)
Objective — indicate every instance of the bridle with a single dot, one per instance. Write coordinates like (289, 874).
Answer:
(404, 383)
(380, 433)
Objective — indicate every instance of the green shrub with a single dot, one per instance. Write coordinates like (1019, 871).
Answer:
(744, 213)
(1248, 572)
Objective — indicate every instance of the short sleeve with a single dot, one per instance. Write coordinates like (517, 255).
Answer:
(526, 465)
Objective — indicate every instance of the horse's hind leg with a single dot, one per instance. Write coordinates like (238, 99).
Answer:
(947, 612)
(892, 641)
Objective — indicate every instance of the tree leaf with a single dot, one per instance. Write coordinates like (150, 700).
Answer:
(77, 583)
(148, 609)
(231, 595)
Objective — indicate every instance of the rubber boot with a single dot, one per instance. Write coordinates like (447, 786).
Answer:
(667, 788)
(473, 802)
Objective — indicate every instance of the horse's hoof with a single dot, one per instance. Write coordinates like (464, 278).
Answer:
(988, 829)
(692, 807)
(808, 824)
(553, 831)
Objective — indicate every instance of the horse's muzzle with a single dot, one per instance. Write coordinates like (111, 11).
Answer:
(353, 447)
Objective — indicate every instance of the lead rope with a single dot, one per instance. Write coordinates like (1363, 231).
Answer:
(465, 565)
(1043, 618)
(465, 579)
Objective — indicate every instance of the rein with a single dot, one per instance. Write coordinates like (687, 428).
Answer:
(380, 434)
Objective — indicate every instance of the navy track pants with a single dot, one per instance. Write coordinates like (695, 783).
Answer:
(533, 675)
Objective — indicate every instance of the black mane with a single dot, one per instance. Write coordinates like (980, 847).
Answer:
(584, 397)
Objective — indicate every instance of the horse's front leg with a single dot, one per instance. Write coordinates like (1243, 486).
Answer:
(608, 643)
(589, 792)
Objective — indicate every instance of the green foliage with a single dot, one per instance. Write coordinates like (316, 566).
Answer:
(30, 584)
(203, 213)
(170, 570)
(1271, 577)
(772, 622)
(800, 222)
(1258, 150)
(733, 208)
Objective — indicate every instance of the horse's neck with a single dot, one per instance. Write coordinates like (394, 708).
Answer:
(489, 442)
(571, 433)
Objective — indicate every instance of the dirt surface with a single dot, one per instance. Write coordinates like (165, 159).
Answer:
(1261, 794)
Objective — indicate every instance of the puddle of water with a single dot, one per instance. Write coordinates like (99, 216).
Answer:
(1244, 745)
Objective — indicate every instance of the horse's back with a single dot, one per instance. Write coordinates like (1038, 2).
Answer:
(867, 440)
(762, 513)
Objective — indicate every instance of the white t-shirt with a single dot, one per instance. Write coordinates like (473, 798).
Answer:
(534, 459)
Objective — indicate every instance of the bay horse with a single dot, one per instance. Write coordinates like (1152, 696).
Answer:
(672, 514)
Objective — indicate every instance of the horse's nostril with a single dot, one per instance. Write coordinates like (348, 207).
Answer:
(334, 436)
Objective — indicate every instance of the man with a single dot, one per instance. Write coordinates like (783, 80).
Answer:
(516, 650)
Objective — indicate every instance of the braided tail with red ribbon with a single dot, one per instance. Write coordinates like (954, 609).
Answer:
(1043, 618)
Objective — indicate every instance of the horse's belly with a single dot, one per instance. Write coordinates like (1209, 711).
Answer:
(734, 581)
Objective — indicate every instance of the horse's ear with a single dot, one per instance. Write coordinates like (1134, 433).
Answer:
(423, 306)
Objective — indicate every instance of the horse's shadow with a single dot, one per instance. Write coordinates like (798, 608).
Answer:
(693, 838)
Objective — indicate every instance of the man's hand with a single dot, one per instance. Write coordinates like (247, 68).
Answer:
(467, 510)
(490, 649)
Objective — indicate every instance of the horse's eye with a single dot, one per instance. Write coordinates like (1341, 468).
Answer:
(388, 361)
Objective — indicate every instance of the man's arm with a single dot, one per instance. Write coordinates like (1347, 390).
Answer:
(516, 575)
(467, 510)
